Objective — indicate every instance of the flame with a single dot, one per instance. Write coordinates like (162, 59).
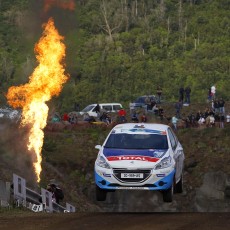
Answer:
(65, 4)
(46, 81)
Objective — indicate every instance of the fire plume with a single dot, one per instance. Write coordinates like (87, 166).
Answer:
(64, 4)
(46, 81)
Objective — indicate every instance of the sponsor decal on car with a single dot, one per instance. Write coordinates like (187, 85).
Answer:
(160, 175)
(136, 158)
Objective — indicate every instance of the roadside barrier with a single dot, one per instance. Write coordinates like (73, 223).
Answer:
(35, 201)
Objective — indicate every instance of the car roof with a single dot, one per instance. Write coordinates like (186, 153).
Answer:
(113, 103)
(140, 127)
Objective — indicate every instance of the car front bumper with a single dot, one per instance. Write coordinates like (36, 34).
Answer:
(156, 180)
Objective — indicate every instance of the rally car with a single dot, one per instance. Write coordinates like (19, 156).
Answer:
(140, 156)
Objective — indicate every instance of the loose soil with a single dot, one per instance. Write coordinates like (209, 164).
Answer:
(114, 221)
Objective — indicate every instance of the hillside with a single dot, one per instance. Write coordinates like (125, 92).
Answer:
(119, 50)
(69, 156)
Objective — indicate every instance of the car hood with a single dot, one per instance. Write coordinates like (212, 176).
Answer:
(133, 158)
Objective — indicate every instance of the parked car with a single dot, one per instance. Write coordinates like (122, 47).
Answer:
(140, 102)
(107, 107)
(140, 157)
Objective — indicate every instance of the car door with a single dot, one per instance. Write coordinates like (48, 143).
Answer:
(178, 154)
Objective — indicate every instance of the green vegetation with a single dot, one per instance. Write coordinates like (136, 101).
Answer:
(118, 50)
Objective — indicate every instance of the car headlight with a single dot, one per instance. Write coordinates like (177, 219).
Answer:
(165, 163)
(102, 162)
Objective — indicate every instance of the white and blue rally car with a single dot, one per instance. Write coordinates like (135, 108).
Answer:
(140, 156)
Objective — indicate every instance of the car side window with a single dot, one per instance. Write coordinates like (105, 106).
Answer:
(172, 139)
(107, 107)
(116, 107)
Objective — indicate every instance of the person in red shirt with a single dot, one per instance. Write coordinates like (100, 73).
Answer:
(65, 117)
(122, 115)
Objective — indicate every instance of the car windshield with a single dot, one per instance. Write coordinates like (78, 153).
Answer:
(137, 141)
(88, 108)
(143, 98)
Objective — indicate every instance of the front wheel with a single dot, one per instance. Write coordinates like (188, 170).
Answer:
(168, 194)
(179, 185)
(100, 194)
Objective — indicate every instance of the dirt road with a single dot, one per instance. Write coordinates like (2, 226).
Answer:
(115, 221)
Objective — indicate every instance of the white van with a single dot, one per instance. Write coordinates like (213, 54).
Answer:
(108, 107)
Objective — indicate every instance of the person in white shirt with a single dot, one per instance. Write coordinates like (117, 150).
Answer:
(228, 118)
(213, 91)
(174, 122)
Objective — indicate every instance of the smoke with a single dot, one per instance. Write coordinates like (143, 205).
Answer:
(14, 155)
(64, 4)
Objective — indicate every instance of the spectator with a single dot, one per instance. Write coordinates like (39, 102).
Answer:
(72, 118)
(210, 120)
(201, 121)
(174, 121)
(187, 95)
(155, 109)
(65, 117)
(213, 92)
(56, 118)
(134, 117)
(192, 119)
(199, 115)
(152, 104)
(57, 193)
(148, 103)
(143, 118)
(181, 94)
(161, 113)
(221, 106)
(216, 106)
(105, 118)
(159, 93)
(178, 107)
(209, 95)
(97, 109)
(228, 118)
(122, 115)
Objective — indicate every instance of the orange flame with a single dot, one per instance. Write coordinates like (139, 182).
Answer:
(46, 81)
(65, 4)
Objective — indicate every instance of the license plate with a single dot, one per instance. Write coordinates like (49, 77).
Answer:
(132, 175)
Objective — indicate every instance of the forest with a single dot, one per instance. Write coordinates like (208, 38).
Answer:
(118, 50)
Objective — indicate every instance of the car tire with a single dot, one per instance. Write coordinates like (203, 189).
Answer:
(100, 194)
(168, 194)
(179, 185)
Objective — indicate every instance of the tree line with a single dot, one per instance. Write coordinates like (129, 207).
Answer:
(120, 49)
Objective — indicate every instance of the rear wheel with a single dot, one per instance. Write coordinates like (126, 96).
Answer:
(100, 194)
(168, 194)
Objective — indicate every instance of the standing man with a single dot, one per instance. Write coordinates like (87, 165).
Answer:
(97, 109)
(213, 92)
(148, 103)
(174, 122)
(178, 107)
(181, 94)
(122, 116)
(159, 93)
(221, 106)
(187, 95)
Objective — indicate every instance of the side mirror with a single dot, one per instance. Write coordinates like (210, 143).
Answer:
(98, 147)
